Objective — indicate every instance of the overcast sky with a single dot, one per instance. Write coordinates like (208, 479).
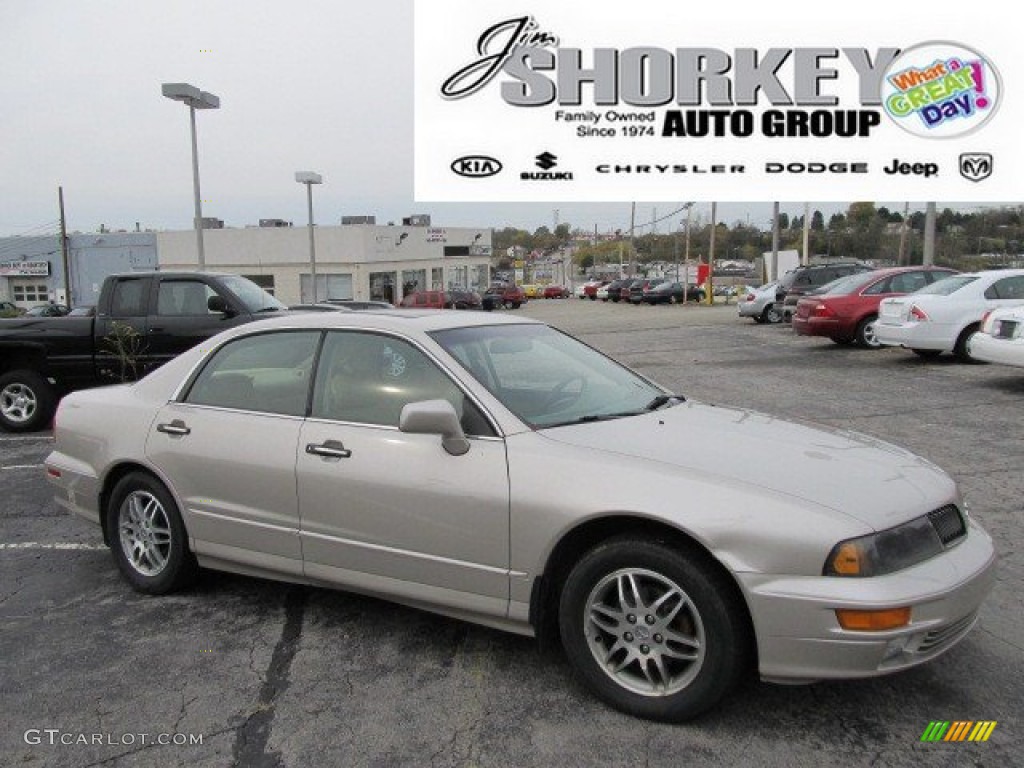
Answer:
(310, 85)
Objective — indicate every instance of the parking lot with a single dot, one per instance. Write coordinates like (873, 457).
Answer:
(270, 674)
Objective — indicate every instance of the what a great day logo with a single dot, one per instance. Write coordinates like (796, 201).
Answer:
(941, 90)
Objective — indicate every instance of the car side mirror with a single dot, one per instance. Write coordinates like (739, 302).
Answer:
(435, 417)
(218, 304)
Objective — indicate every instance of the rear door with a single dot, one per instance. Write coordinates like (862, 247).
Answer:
(121, 327)
(228, 448)
(182, 319)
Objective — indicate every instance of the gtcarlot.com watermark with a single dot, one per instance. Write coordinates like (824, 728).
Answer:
(54, 737)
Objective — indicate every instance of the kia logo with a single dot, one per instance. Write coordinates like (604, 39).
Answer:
(476, 166)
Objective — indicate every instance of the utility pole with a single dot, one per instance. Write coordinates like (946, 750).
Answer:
(775, 241)
(929, 234)
(903, 235)
(710, 295)
(64, 249)
(632, 253)
(807, 233)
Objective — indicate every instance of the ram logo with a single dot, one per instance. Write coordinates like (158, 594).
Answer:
(975, 166)
(476, 166)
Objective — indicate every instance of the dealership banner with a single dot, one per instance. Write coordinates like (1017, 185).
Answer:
(727, 100)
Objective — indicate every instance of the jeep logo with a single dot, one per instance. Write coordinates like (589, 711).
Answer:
(476, 166)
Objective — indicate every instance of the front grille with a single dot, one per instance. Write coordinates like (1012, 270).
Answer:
(948, 524)
(939, 637)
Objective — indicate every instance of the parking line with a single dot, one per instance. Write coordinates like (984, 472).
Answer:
(24, 466)
(25, 437)
(58, 545)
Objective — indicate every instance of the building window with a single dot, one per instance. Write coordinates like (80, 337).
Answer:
(266, 282)
(328, 286)
(456, 250)
(30, 294)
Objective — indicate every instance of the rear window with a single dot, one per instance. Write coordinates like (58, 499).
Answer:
(948, 285)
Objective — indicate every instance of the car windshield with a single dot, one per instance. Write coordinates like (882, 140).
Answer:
(548, 378)
(947, 285)
(251, 295)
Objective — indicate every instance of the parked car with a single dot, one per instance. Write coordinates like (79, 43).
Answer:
(83, 311)
(602, 292)
(638, 287)
(10, 309)
(847, 310)
(1000, 338)
(48, 310)
(142, 320)
(761, 304)
(806, 278)
(433, 452)
(945, 315)
(590, 288)
(616, 287)
(533, 291)
(503, 295)
(426, 300)
(673, 293)
(556, 292)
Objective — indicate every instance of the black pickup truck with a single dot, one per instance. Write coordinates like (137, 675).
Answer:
(142, 320)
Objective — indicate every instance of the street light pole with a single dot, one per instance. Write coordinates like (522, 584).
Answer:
(195, 99)
(309, 179)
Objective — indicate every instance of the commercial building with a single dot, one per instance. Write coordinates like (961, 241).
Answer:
(357, 261)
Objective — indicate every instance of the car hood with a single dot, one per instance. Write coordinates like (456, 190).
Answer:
(872, 481)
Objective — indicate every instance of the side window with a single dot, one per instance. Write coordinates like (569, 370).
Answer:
(1007, 288)
(367, 378)
(269, 372)
(129, 299)
(183, 297)
(882, 286)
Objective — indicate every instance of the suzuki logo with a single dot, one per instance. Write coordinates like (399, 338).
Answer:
(546, 160)
(476, 166)
(975, 166)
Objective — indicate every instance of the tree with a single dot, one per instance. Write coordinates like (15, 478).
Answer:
(817, 221)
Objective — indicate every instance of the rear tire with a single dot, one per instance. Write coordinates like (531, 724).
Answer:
(771, 314)
(654, 632)
(27, 401)
(147, 536)
(960, 348)
(866, 333)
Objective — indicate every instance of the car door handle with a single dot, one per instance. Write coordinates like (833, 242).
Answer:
(332, 449)
(176, 427)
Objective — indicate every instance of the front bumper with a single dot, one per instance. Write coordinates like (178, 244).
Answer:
(1002, 351)
(799, 638)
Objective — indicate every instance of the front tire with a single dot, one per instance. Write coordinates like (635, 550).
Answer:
(27, 401)
(147, 536)
(652, 631)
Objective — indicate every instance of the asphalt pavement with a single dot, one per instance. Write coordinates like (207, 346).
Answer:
(240, 671)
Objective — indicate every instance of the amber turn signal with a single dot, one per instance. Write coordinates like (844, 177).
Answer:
(873, 621)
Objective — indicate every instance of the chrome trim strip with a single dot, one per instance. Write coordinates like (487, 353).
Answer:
(254, 523)
(417, 555)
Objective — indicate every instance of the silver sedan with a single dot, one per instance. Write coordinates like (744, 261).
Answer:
(436, 459)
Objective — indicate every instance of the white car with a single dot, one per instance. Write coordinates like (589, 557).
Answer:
(945, 315)
(1001, 338)
(762, 304)
(602, 292)
(424, 457)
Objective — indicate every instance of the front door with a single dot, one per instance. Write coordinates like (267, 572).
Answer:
(390, 512)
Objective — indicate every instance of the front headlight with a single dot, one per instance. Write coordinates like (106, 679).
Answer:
(886, 551)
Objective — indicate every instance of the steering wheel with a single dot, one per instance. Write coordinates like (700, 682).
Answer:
(562, 396)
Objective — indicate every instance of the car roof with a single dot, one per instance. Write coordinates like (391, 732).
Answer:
(396, 320)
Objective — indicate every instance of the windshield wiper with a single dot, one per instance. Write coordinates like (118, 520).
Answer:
(269, 309)
(592, 418)
(662, 400)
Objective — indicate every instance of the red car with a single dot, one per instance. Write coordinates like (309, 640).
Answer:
(556, 292)
(846, 310)
(590, 289)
